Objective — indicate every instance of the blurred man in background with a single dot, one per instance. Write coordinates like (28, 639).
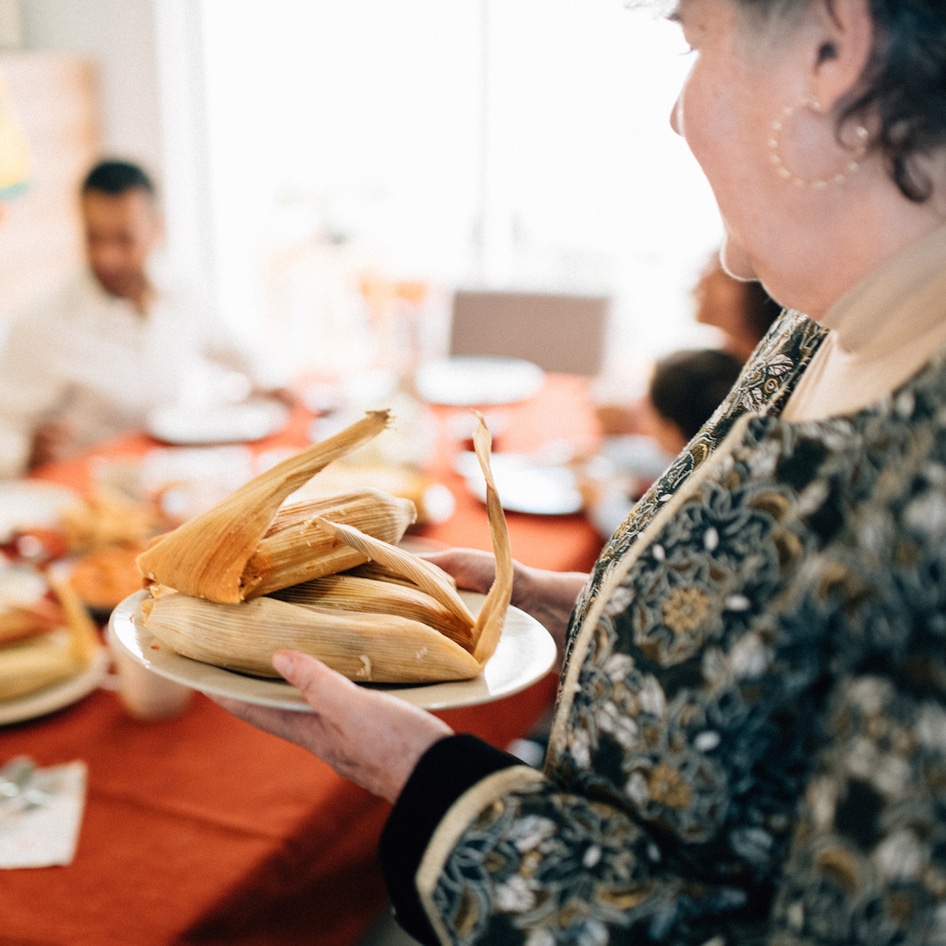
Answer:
(119, 340)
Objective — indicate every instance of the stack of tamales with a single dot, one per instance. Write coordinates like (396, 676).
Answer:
(256, 574)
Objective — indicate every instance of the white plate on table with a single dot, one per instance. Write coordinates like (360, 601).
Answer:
(525, 484)
(26, 503)
(478, 381)
(59, 695)
(245, 422)
(525, 654)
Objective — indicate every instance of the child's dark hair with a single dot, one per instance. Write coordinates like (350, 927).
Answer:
(687, 386)
(116, 178)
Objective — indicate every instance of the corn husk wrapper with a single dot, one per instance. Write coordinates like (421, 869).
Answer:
(83, 634)
(206, 556)
(368, 647)
(378, 572)
(21, 621)
(416, 570)
(348, 592)
(489, 621)
(277, 562)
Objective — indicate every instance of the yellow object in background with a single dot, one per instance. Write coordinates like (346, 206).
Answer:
(14, 152)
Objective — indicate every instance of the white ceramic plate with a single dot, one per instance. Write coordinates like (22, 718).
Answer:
(25, 503)
(478, 381)
(525, 653)
(526, 486)
(245, 422)
(537, 491)
(59, 695)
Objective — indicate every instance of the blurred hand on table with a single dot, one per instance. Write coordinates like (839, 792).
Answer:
(52, 441)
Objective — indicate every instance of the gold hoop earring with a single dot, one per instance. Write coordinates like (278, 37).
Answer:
(859, 149)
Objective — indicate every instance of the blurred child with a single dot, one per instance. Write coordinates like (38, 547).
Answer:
(685, 389)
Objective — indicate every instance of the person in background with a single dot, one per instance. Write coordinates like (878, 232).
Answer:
(741, 309)
(639, 440)
(118, 340)
(749, 742)
(685, 389)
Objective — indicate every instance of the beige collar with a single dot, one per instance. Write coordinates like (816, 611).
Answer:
(904, 298)
(881, 333)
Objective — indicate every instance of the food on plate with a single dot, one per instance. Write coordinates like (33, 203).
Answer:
(206, 556)
(47, 656)
(399, 621)
(104, 577)
(369, 646)
(20, 621)
(295, 548)
(106, 518)
(32, 665)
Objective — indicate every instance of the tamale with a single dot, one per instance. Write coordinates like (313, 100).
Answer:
(206, 556)
(369, 647)
(295, 549)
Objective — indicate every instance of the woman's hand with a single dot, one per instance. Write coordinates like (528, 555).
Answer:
(548, 596)
(369, 737)
(372, 738)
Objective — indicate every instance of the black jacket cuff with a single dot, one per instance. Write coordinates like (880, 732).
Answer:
(446, 770)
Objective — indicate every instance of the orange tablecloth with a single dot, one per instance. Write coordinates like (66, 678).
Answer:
(201, 829)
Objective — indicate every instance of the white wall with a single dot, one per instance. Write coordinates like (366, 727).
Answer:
(119, 35)
(144, 54)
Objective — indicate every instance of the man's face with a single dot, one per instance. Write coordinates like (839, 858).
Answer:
(121, 231)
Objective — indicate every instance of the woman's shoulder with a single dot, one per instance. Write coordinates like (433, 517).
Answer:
(778, 362)
(763, 387)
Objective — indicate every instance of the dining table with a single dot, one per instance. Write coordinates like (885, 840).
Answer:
(200, 829)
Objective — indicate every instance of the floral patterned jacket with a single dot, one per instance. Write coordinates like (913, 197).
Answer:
(750, 738)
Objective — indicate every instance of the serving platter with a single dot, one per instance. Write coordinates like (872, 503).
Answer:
(525, 654)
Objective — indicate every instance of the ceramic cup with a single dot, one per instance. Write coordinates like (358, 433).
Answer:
(145, 695)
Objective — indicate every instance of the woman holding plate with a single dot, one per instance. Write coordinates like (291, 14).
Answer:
(748, 744)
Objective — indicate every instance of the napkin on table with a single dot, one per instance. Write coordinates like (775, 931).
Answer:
(45, 832)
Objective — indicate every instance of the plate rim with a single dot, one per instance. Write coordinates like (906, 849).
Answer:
(278, 694)
(159, 428)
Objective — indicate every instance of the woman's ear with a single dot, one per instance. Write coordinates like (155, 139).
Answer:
(844, 39)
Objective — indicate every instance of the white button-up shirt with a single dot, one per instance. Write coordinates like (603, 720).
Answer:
(90, 361)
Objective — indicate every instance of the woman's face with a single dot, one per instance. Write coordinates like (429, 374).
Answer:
(738, 84)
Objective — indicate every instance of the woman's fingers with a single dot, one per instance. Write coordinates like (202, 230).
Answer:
(317, 683)
(472, 569)
(367, 736)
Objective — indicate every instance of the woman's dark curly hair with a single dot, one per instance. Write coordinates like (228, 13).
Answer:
(904, 83)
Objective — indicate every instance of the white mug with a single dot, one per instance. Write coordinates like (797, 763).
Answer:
(145, 695)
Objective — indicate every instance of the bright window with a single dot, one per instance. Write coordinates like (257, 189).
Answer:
(498, 143)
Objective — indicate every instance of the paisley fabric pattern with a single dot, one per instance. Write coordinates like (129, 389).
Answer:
(750, 742)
